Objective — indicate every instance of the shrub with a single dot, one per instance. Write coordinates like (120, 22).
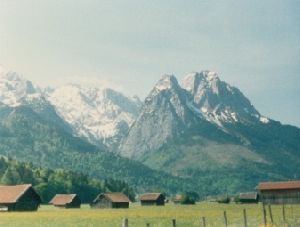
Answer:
(187, 199)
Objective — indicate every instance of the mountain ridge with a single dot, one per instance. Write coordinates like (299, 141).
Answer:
(185, 135)
(99, 114)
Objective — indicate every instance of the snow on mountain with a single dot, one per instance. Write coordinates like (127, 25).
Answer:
(167, 82)
(100, 114)
(218, 101)
(15, 90)
(264, 120)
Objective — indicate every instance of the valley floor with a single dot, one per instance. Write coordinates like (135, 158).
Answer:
(188, 215)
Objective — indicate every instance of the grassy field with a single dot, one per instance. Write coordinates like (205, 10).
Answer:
(188, 215)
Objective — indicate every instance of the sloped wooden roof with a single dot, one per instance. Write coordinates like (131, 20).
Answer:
(11, 194)
(280, 185)
(62, 199)
(114, 197)
(150, 196)
(248, 195)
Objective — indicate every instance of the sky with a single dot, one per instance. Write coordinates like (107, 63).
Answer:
(253, 45)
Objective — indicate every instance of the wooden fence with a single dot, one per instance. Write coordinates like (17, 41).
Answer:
(203, 220)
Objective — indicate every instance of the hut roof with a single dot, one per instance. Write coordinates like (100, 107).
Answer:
(150, 196)
(278, 185)
(62, 199)
(114, 197)
(11, 194)
(248, 195)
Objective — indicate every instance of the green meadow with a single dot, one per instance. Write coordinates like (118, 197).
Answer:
(185, 215)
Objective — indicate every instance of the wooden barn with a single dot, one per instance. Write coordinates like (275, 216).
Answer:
(19, 198)
(66, 201)
(248, 197)
(152, 199)
(283, 192)
(111, 200)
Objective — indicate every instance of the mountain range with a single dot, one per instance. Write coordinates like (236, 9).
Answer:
(199, 134)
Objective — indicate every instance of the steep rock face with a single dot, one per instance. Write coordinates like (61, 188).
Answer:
(167, 114)
(101, 115)
(162, 116)
(218, 101)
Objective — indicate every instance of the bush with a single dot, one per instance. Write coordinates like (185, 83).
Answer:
(187, 199)
(223, 200)
(236, 199)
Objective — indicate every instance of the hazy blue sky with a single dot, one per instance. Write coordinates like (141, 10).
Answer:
(254, 45)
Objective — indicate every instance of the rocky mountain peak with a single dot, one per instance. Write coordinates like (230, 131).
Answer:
(217, 100)
(165, 84)
(210, 75)
(14, 89)
(196, 81)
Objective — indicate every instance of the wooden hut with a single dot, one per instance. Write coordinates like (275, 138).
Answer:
(152, 199)
(283, 192)
(19, 198)
(66, 201)
(248, 197)
(111, 200)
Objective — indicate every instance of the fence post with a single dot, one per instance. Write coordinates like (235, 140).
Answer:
(125, 222)
(264, 215)
(225, 218)
(245, 218)
(283, 212)
(270, 213)
(203, 222)
(174, 223)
